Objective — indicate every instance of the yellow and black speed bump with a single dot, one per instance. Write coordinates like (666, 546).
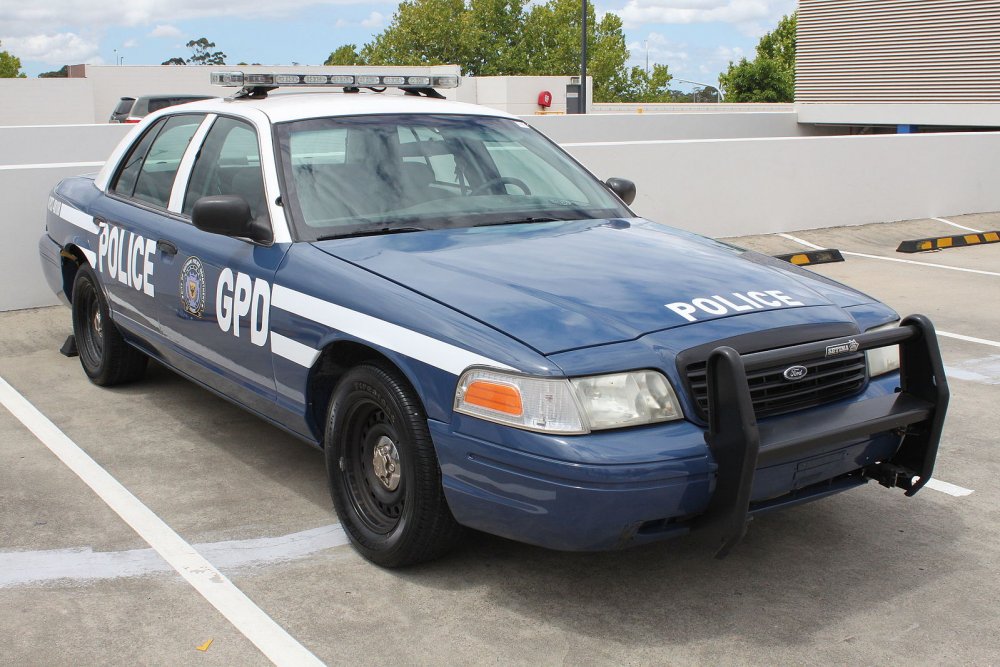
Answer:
(826, 256)
(942, 242)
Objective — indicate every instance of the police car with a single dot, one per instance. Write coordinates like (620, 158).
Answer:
(476, 330)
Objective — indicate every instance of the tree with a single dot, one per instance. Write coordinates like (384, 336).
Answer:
(643, 86)
(770, 76)
(10, 66)
(201, 53)
(174, 61)
(422, 32)
(345, 55)
(60, 73)
(502, 37)
(552, 46)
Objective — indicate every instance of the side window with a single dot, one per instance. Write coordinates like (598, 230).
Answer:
(124, 183)
(229, 164)
(156, 177)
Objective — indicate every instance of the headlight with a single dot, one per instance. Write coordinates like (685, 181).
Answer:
(558, 405)
(882, 360)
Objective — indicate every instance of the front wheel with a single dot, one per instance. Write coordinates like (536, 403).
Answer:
(383, 472)
(105, 356)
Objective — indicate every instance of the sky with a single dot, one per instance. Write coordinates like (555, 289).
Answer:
(695, 38)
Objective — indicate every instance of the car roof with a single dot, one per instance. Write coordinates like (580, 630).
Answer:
(282, 107)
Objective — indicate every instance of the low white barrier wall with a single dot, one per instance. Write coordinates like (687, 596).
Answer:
(717, 187)
(32, 160)
(732, 187)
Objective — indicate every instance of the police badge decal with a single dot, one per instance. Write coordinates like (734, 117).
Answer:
(193, 287)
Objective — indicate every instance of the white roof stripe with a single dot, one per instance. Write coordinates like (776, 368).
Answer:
(439, 354)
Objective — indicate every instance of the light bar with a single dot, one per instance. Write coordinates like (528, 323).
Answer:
(242, 80)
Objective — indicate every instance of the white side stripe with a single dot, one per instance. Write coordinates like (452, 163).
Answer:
(416, 345)
(273, 640)
(78, 218)
(293, 350)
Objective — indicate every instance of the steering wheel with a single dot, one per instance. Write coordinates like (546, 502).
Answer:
(505, 180)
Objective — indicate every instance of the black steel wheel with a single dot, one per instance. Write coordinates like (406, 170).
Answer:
(105, 356)
(384, 476)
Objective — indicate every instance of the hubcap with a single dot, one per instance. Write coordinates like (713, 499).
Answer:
(97, 321)
(385, 463)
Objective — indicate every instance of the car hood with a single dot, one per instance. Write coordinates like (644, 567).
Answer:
(567, 285)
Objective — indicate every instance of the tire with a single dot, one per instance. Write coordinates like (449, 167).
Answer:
(105, 356)
(384, 476)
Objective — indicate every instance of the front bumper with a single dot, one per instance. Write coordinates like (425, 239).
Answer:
(710, 481)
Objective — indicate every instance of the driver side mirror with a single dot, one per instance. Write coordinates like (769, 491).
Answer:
(624, 188)
(229, 215)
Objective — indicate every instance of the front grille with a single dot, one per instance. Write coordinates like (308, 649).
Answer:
(828, 380)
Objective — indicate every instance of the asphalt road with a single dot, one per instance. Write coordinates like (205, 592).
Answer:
(867, 576)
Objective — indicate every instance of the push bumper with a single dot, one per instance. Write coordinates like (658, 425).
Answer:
(740, 446)
(711, 482)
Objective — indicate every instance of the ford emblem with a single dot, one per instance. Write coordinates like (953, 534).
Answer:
(795, 372)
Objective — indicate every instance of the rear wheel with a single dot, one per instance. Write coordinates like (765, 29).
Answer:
(383, 472)
(105, 356)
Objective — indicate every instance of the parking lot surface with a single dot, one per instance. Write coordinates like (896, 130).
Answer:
(868, 576)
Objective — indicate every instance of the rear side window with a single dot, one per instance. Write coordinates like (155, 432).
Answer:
(155, 160)
(124, 106)
(229, 164)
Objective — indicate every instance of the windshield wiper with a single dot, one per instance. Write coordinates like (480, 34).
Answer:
(374, 231)
(518, 221)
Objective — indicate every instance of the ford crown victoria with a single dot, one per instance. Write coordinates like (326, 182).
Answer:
(476, 330)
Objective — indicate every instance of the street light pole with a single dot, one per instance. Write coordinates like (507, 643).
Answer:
(583, 60)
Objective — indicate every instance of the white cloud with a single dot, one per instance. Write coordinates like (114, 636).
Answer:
(165, 30)
(743, 12)
(130, 44)
(61, 48)
(374, 20)
(21, 19)
(660, 50)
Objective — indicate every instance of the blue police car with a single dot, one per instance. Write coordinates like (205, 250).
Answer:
(475, 329)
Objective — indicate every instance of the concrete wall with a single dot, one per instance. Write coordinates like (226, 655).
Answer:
(46, 102)
(32, 160)
(717, 187)
(635, 127)
(732, 187)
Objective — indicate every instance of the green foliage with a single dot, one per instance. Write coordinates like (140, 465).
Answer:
(503, 37)
(202, 54)
(422, 32)
(10, 66)
(174, 61)
(60, 73)
(344, 55)
(770, 76)
(648, 87)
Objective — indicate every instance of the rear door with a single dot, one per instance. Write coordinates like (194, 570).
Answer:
(130, 260)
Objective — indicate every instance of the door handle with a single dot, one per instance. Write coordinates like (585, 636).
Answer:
(166, 247)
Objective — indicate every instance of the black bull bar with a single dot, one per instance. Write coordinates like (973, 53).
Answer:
(916, 411)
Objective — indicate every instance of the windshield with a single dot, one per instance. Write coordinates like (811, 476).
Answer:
(374, 174)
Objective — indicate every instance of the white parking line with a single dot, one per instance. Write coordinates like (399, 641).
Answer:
(969, 339)
(947, 487)
(892, 259)
(955, 224)
(272, 640)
